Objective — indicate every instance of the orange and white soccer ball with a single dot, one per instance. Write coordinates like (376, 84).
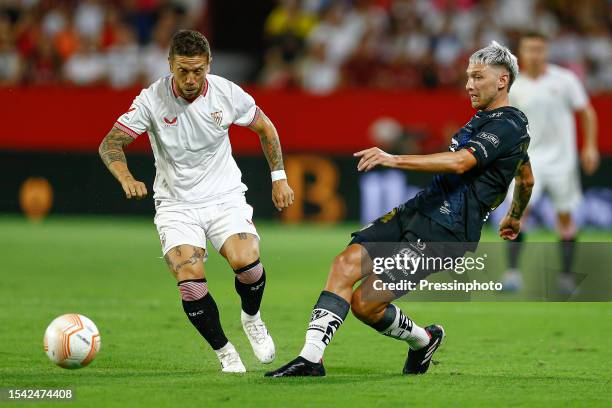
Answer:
(72, 341)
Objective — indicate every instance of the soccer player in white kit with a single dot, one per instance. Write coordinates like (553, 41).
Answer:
(550, 96)
(199, 194)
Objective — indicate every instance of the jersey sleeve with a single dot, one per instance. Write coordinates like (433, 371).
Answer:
(494, 140)
(245, 109)
(575, 93)
(136, 120)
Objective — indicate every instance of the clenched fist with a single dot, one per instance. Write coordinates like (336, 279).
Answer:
(509, 228)
(133, 188)
(282, 194)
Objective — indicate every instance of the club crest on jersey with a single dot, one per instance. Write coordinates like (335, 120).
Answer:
(170, 122)
(217, 117)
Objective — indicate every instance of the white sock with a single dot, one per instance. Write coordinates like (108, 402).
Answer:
(228, 347)
(405, 329)
(323, 324)
(245, 317)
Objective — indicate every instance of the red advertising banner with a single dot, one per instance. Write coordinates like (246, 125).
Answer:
(76, 119)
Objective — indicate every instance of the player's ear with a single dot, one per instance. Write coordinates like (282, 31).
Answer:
(170, 64)
(503, 80)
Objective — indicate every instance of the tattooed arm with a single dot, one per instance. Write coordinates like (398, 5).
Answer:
(111, 152)
(510, 225)
(282, 195)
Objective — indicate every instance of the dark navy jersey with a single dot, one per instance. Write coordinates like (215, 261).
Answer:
(461, 203)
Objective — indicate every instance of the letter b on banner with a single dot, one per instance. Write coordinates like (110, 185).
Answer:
(314, 180)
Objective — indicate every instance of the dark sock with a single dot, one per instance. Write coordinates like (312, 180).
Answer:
(394, 323)
(250, 283)
(568, 249)
(203, 312)
(514, 250)
(386, 320)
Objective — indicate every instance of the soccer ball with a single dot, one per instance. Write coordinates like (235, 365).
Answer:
(72, 341)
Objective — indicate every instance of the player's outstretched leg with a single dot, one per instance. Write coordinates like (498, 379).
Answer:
(512, 280)
(567, 234)
(328, 314)
(242, 252)
(389, 320)
(185, 262)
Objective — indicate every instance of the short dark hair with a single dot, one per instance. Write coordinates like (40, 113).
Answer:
(189, 43)
(534, 34)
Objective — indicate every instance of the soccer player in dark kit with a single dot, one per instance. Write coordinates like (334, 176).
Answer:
(471, 180)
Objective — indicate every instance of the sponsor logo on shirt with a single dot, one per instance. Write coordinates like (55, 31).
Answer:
(420, 245)
(170, 122)
(489, 137)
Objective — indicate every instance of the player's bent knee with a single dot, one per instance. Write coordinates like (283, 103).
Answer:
(240, 250)
(242, 257)
(346, 268)
(189, 272)
(186, 262)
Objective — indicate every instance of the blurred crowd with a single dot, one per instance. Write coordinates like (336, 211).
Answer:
(321, 45)
(317, 45)
(90, 42)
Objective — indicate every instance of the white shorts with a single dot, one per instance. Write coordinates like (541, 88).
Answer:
(195, 225)
(564, 190)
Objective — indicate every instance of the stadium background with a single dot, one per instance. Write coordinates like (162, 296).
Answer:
(342, 76)
(335, 77)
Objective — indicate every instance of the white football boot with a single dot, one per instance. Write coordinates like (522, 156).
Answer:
(257, 333)
(512, 281)
(230, 359)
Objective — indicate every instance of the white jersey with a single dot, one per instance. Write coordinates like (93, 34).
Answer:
(549, 102)
(190, 140)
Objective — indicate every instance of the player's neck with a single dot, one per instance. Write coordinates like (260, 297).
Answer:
(499, 102)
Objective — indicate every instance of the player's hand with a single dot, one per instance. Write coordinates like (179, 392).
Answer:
(590, 159)
(282, 194)
(133, 188)
(509, 228)
(373, 157)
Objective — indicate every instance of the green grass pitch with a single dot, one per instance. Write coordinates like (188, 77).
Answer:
(109, 269)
